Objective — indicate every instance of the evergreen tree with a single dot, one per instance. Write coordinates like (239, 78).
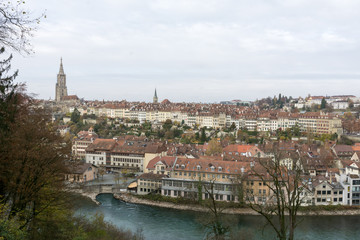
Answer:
(203, 135)
(7, 94)
(75, 116)
(323, 104)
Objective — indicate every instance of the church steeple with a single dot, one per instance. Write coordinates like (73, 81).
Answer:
(155, 98)
(60, 89)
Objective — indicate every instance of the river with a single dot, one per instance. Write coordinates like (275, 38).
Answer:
(162, 224)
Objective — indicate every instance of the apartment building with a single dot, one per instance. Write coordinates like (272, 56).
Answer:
(82, 141)
(327, 192)
(191, 177)
(118, 154)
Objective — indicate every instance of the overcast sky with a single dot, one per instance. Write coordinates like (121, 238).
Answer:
(194, 50)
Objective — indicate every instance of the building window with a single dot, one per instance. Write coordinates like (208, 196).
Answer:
(318, 192)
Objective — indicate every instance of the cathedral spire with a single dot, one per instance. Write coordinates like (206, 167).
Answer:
(60, 87)
(61, 71)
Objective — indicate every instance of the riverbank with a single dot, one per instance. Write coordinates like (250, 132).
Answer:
(311, 211)
(188, 207)
(90, 195)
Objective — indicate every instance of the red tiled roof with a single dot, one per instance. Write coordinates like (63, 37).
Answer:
(238, 148)
(70, 97)
(168, 161)
(226, 167)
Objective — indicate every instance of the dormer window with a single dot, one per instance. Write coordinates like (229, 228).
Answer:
(177, 165)
(212, 168)
(220, 169)
(182, 166)
(198, 167)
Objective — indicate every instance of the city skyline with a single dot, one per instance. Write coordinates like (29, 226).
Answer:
(194, 52)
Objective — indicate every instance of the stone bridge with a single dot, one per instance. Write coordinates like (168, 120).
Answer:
(103, 188)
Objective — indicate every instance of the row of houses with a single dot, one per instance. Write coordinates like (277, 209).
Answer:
(189, 178)
(331, 172)
(316, 122)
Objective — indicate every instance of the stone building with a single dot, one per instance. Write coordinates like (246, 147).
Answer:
(60, 89)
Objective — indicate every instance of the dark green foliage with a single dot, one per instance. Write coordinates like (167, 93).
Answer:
(203, 137)
(323, 103)
(75, 116)
(10, 228)
(8, 98)
(167, 125)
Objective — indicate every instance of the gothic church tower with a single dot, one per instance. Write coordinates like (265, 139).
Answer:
(155, 98)
(61, 89)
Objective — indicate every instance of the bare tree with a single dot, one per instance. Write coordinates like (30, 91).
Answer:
(102, 172)
(217, 229)
(17, 26)
(281, 207)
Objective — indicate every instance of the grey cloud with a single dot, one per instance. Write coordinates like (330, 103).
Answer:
(124, 49)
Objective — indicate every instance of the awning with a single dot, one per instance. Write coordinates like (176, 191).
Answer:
(133, 185)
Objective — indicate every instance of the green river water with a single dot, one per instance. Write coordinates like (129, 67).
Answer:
(162, 224)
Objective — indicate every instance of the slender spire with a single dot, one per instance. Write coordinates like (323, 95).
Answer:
(61, 71)
(155, 98)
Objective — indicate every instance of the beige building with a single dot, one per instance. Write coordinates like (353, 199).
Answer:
(149, 183)
(82, 141)
(81, 173)
(220, 176)
(161, 165)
